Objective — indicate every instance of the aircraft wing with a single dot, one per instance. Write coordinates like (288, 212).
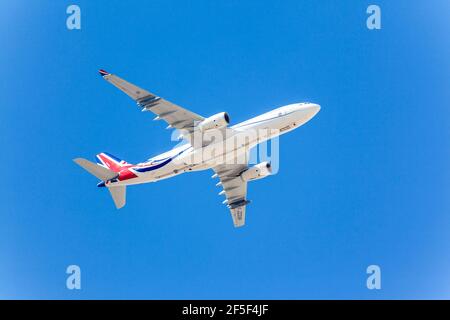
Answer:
(176, 116)
(235, 190)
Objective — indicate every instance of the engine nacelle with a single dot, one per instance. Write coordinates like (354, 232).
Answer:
(216, 121)
(259, 171)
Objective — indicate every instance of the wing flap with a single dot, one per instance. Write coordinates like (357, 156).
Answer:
(235, 190)
(176, 116)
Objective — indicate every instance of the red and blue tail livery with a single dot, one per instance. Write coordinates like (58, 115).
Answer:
(111, 162)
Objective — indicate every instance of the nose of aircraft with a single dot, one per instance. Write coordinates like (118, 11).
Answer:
(306, 111)
(312, 109)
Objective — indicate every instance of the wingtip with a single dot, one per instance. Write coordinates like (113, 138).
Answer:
(103, 72)
(79, 161)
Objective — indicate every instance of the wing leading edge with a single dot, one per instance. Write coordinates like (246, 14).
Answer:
(175, 116)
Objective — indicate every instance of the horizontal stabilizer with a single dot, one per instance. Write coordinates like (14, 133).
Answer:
(99, 171)
(119, 195)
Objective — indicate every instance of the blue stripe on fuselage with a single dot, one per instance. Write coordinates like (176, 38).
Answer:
(159, 165)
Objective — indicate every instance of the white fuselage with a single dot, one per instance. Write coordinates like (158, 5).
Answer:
(189, 157)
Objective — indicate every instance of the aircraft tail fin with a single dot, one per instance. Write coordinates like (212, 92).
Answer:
(111, 162)
(99, 171)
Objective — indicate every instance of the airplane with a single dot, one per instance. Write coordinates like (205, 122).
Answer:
(222, 148)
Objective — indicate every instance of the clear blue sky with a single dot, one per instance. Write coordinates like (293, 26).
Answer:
(365, 182)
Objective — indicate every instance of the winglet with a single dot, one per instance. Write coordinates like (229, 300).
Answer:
(103, 72)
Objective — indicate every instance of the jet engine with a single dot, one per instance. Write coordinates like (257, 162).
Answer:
(216, 121)
(259, 171)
